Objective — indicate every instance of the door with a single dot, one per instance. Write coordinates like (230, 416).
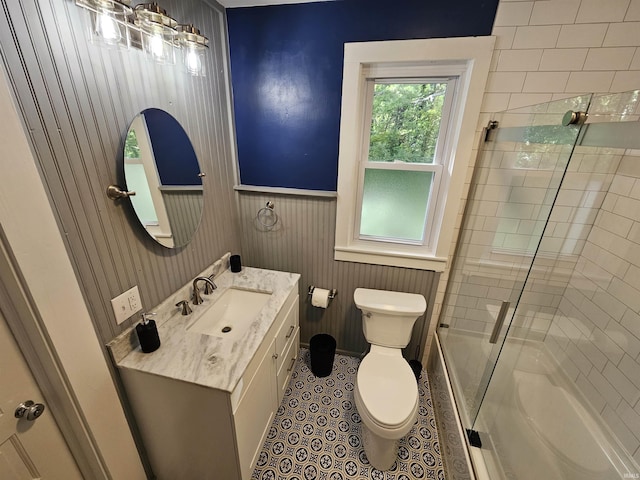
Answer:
(28, 449)
(516, 180)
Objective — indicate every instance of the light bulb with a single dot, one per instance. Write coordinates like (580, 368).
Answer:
(193, 62)
(107, 28)
(156, 46)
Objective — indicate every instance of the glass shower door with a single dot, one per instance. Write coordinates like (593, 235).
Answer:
(516, 180)
(560, 403)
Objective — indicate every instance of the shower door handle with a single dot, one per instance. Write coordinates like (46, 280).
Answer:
(499, 322)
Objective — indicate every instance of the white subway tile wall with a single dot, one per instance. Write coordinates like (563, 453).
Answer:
(554, 13)
(562, 59)
(519, 60)
(590, 81)
(565, 29)
(585, 302)
(574, 37)
(633, 13)
(622, 34)
(596, 11)
(513, 13)
(600, 311)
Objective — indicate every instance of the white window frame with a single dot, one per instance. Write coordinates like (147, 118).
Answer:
(468, 59)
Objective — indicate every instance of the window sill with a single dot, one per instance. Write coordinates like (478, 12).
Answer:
(285, 191)
(390, 258)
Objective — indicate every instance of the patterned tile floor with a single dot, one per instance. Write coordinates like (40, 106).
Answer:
(316, 432)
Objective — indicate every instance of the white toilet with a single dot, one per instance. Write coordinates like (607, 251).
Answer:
(386, 393)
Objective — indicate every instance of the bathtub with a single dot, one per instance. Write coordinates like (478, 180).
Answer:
(534, 423)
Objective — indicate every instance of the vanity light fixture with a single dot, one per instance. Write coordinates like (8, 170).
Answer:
(193, 46)
(149, 27)
(159, 34)
(109, 20)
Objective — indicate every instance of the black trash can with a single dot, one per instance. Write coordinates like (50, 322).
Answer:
(416, 366)
(322, 348)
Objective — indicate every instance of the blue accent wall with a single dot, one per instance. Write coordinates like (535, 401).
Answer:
(175, 158)
(286, 68)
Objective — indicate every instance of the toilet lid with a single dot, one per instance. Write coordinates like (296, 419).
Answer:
(388, 388)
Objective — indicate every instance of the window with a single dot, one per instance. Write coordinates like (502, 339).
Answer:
(409, 115)
(401, 170)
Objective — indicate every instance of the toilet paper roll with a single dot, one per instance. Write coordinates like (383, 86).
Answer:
(320, 298)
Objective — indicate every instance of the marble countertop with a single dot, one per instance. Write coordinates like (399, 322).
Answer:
(203, 359)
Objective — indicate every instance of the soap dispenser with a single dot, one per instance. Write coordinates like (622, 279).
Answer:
(148, 334)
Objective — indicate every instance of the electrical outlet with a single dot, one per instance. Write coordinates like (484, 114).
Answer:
(133, 296)
(126, 304)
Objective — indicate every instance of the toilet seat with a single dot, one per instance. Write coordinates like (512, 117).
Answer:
(387, 388)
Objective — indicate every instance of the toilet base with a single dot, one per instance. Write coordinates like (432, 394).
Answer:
(381, 452)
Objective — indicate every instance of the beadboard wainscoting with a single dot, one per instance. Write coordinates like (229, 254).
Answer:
(302, 242)
(182, 209)
(77, 99)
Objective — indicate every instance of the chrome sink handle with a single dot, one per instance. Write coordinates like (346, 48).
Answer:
(186, 309)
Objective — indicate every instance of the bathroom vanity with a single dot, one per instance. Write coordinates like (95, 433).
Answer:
(204, 402)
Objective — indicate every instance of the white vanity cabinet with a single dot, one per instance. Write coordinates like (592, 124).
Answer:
(262, 390)
(193, 431)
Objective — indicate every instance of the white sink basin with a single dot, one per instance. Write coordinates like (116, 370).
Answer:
(231, 314)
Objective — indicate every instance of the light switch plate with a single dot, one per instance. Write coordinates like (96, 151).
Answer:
(126, 304)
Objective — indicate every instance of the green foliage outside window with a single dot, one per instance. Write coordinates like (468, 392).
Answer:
(405, 121)
(131, 148)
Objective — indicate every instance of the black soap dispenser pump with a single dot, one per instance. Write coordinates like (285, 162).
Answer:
(148, 334)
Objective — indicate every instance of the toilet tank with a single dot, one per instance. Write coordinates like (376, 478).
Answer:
(388, 317)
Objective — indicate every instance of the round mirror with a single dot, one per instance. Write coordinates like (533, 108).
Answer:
(161, 166)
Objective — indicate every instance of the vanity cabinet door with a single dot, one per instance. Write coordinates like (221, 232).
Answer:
(266, 379)
(255, 412)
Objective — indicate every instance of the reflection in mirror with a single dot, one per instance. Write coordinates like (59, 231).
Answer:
(161, 166)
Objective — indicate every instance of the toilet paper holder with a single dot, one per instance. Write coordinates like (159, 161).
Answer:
(332, 293)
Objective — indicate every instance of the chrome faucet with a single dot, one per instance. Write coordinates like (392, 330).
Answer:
(209, 288)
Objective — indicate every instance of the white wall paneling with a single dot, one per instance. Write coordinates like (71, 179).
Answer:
(77, 99)
(302, 242)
